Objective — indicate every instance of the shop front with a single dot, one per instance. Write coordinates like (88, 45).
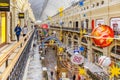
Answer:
(69, 40)
(3, 28)
(96, 54)
(115, 55)
(84, 53)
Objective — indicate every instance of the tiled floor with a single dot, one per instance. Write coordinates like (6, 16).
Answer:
(51, 62)
(33, 69)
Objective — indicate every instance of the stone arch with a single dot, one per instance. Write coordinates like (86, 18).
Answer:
(69, 39)
(115, 43)
(76, 36)
(84, 40)
(115, 49)
(76, 39)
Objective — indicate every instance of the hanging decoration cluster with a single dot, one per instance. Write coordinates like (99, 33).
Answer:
(61, 11)
(44, 29)
(82, 31)
(51, 42)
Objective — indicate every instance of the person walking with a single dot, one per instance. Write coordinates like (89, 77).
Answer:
(74, 77)
(51, 75)
(18, 31)
(24, 30)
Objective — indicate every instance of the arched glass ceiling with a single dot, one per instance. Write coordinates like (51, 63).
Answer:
(44, 8)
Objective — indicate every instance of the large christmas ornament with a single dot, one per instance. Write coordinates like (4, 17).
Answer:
(44, 26)
(103, 36)
(104, 61)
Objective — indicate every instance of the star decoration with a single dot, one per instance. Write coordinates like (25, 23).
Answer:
(115, 71)
(82, 71)
(84, 31)
(60, 49)
(51, 42)
(81, 32)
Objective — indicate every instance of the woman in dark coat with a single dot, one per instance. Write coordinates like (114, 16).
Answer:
(18, 31)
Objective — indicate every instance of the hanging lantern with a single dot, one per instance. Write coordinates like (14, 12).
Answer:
(61, 11)
(104, 61)
(103, 36)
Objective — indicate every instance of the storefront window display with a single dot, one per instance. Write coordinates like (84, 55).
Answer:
(84, 53)
(96, 55)
(115, 61)
(75, 40)
(116, 50)
(84, 40)
(69, 40)
(115, 24)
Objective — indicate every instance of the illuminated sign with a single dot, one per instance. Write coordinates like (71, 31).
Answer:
(21, 15)
(4, 5)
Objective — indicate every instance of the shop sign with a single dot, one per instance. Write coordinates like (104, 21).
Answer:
(4, 5)
(21, 15)
(77, 59)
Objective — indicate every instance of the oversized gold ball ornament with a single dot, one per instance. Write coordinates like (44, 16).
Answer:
(102, 36)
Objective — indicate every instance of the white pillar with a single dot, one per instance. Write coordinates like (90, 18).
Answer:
(14, 22)
(8, 28)
(89, 51)
(22, 22)
(105, 51)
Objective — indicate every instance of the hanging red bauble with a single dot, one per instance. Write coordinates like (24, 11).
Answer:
(103, 35)
(44, 26)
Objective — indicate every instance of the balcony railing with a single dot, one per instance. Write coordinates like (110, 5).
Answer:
(66, 28)
(87, 31)
(15, 59)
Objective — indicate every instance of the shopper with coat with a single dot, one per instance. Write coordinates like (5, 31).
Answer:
(18, 31)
